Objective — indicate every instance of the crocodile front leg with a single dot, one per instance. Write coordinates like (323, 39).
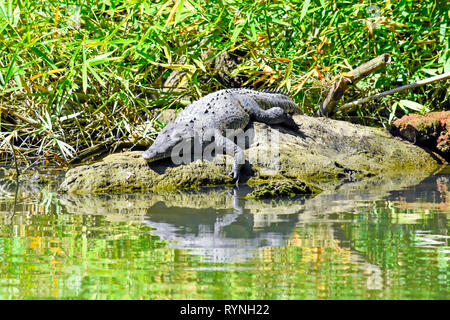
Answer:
(233, 149)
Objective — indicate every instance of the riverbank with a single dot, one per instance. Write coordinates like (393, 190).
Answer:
(82, 81)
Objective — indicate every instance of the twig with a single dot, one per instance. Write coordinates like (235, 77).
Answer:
(349, 106)
(15, 159)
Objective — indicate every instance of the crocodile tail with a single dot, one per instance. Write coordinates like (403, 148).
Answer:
(276, 91)
(266, 90)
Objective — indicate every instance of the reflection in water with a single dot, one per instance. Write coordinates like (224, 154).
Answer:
(423, 238)
(224, 235)
(373, 239)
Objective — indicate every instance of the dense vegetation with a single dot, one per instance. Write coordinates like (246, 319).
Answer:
(82, 75)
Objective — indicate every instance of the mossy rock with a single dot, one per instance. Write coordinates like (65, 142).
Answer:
(324, 153)
(283, 189)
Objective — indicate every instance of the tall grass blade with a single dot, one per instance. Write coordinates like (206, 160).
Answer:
(10, 71)
(44, 57)
(305, 8)
(84, 70)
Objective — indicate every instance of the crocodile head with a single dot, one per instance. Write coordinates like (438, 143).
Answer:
(168, 138)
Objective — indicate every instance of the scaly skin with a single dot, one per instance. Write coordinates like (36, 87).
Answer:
(220, 111)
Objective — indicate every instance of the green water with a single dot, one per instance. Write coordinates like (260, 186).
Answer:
(386, 242)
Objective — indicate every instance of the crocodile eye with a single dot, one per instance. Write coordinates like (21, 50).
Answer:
(179, 134)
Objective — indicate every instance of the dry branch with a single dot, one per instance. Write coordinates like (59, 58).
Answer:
(349, 106)
(345, 79)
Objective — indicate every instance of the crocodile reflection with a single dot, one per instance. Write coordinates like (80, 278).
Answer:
(220, 234)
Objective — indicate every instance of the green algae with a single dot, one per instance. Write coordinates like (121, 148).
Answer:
(192, 176)
(281, 189)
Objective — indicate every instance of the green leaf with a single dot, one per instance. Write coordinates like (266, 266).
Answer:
(96, 76)
(84, 70)
(281, 22)
(10, 71)
(413, 105)
(111, 35)
(74, 56)
(304, 9)
(199, 63)
(197, 6)
(253, 31)
(443, 30)
(144, 55)
(3, 13)
(162, 125)
(432, 72)
(15, 16)
(178, 14)
(42, 55)
(18, 81)
(237, 31)
(102, 58)
(252, 23)
(446, 61)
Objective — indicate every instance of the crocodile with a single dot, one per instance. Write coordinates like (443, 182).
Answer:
(226, 109)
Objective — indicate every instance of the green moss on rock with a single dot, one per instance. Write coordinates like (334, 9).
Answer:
(280, 189)
(324, 153)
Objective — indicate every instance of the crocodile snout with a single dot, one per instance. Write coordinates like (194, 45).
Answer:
(148, 155)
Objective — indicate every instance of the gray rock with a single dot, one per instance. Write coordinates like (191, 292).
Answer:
(326, 154)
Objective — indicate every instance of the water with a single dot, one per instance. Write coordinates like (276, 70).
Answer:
(383, 241)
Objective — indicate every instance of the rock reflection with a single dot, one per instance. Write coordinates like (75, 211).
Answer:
(431, 194)
(222, 227)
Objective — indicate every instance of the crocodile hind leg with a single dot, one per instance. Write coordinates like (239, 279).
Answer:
(273, 115)
(233, 149)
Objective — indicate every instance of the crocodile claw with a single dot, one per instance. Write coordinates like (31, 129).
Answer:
(290, 123)
(235, 175)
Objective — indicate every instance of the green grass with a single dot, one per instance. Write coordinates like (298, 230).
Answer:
(77, 75)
